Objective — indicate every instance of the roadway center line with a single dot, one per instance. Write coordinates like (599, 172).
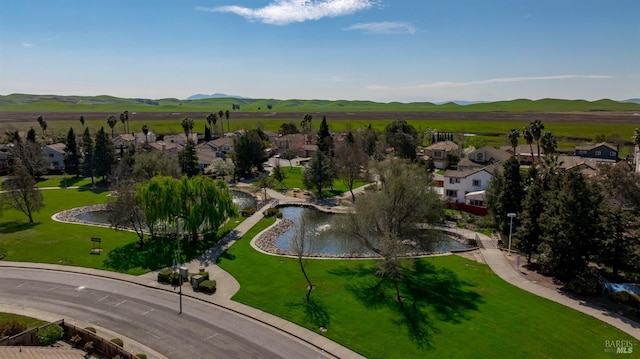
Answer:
(21, 284)
(103, 298)
(52, 288)
(153, 335)
(148, 311)
(121, 302)
(211, 336)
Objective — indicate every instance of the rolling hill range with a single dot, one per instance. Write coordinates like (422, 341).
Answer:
(56, 103)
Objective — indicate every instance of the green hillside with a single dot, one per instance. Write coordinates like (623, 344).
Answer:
(56, 103)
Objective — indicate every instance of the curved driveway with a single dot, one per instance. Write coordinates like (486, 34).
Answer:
(150, 316)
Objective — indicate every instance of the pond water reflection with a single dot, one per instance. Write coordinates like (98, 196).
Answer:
(321, 228)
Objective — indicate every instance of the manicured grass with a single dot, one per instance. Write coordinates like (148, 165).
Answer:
(64, 181)
(293, 179)
(28, 321)
(462, 310)
(48, 241)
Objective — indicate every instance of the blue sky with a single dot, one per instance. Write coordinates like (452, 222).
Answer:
(380, 50)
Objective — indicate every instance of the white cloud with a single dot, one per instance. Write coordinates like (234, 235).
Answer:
(386, 27)
(26, 44)
(447, 84)
(283, 12)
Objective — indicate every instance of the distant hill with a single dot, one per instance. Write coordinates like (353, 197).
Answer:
(632, 100)
(57, 103)
(213, 95)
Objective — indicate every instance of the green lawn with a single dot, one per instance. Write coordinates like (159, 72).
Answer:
(293, 179)
(463, 310)
(28, 321)
(48, 241)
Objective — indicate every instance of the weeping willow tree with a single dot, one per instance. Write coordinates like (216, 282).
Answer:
(200, 204)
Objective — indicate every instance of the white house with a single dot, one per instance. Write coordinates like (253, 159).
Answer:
(458, 184)
(55, 155)
(636, 157)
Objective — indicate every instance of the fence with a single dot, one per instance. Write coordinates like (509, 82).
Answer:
(101, 347)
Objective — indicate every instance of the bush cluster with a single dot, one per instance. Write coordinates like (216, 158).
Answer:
(586, 283)
(141, 356)
(273, 212)
(91, 329)
(208, 286)
(248, 211)
(625, 297)
(118, 342)
(50, 334)
(11, 328)
(168, 276)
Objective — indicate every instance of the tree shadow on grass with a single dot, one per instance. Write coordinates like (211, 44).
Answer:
(154, 254)
(428, 294)
(16, 226)
(315, 311)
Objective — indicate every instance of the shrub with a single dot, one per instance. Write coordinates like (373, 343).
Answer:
(141, 356)
(91, 329)
(586, 283)
(88, 347)
(626, 298)
(248, 211)
(50, 334)
(118, 342)
(75, 340)
(205, 275)
(11, 328)
(164, 276)
(208, 286)
(273, 212)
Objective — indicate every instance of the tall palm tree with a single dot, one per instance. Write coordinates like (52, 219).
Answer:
(111, 121)
(306, 123)
(536, 129)
(547, 168)
(212, 118)
(527, 134)
(126, 118)
(226, 114)
(43, 124)
(187, 126)
(513, 139)
(549, 143)
(124, 124)
(145, 130)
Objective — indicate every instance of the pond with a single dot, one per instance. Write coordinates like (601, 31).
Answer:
(241, 199)
(326, 240)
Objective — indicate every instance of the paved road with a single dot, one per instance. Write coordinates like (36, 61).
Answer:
(150, 316)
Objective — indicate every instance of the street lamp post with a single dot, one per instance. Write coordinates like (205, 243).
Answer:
(510, 215)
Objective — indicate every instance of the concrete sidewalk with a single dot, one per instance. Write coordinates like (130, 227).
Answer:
(501, 266)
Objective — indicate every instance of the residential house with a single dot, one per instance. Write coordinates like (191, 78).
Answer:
(55, 155)
(149, 138)
(307, 150)
(457, 184)
(205, 158)
(524, 154)
(122, 142)
(222, 145)
(488, 155)
(289, 142)
(601, 151)
(167, 148)
(441, 153)
(466, 164)
(181, 138)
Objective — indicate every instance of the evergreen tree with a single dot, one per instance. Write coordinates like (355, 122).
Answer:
(319, 173)
(87, 155)
(188, 160)
(71, 156)
(512, 193)
(493, 196)
(103, 155)
(249, 151)
(403, 138)
(571, 226)
(325, 140)
(31, 135)
(529, 232)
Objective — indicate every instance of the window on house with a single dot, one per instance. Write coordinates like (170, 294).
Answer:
(452, 193)
(51, 155)
(598, 153)
(475, 202)
(479, 157)
(437, 154)
(612, 154)
(453, 180)
(476, 183)
(582, 152)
